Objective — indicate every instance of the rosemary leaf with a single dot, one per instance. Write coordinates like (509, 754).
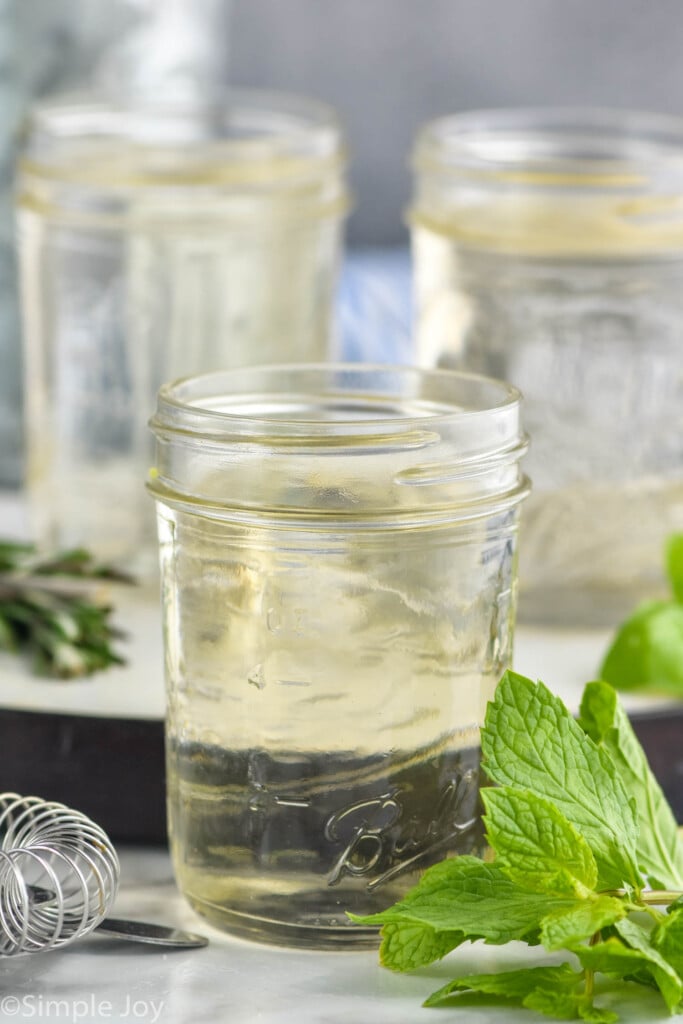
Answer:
(54, 610)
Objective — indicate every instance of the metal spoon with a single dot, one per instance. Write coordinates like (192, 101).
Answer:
(134, 931)
(156, 934)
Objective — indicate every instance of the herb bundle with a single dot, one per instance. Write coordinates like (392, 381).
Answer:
(54, 609)
(586, 857)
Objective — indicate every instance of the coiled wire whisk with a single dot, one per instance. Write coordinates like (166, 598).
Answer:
(59, 874)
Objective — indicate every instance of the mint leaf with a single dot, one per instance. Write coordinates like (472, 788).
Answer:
(612, 957)
(647, 652)
(565, 929)
(407, 945)
(667, 939)
(567, 1006)
(659, 848)
(477, 899)
(535, 844)
(598, 710)
(674, 564)
(551, 1002)
(555, 991)
(667, 978)
(530, 741)
(594, 1014)
(433, 881)
(512, 985)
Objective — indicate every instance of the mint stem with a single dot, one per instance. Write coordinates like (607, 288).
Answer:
(662, 897)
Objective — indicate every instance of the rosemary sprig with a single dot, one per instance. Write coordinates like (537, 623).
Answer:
(55, 609)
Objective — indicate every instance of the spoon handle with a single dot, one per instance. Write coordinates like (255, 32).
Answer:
(157, 934)
(133, 931)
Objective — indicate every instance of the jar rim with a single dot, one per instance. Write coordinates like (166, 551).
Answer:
(240, 136)
(595, 146)
(367, 445)
(188, 405)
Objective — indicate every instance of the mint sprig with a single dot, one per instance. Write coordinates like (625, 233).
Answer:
(530, 741)
(647, 651)
(579, 829)
(659, 851)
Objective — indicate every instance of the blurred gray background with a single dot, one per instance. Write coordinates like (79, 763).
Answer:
(387, 65)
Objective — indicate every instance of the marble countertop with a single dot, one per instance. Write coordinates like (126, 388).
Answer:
(243, 983)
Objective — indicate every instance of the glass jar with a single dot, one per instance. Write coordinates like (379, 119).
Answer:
(338, 552)
(548, 250)
(140, 47)
(158, 242)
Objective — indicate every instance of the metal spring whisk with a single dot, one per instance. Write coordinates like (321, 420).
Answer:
(59, 874)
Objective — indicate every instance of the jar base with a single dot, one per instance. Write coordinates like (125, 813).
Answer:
(323, 935)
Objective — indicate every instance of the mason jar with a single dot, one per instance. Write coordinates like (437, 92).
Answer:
(140, 47)
(157, 242)
(338, 553)
(548, 248)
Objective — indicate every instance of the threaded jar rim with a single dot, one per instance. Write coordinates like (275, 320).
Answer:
(208, 405)
(554, 146)
(240, 140)
(347, 439)
(550, 181)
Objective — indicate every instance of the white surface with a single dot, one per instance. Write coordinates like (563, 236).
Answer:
(134, 690)
(565, 660)
(243, 983)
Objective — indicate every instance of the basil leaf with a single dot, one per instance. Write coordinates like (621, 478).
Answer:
(647, 652)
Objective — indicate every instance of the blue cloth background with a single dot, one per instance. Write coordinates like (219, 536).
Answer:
(374, 306)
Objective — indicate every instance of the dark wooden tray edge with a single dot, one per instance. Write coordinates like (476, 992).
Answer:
(113, 768)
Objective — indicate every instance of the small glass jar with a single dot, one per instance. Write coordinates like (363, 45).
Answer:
(338, 552)
(548, 250)
(157, 242)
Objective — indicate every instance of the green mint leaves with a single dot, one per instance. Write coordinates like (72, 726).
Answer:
(580, 829)
(647, 651)
(555, 991)
(674, 564)
(468, 896)
(530, 741)
(536, 840)
(659, 851)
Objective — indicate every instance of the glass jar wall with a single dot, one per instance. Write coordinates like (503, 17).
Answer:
(548, 250)
(157, 242)
(338, 552)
